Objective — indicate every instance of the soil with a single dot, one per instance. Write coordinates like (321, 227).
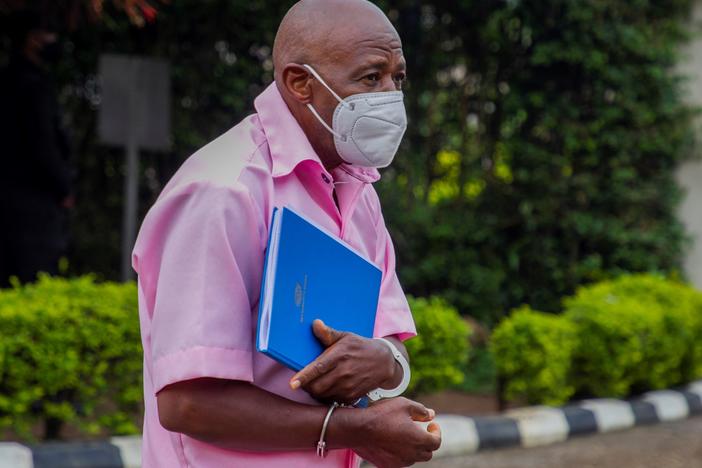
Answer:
(464, 404)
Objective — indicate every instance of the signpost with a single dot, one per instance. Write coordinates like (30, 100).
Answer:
(135, 113)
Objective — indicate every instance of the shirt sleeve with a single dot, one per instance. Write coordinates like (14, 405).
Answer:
(394, 317)
(199, 257)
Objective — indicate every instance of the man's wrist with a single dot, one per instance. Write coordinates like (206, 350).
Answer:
(345, 428)
(393, 370)
(396, 377)
(395, 373)
(397, 390)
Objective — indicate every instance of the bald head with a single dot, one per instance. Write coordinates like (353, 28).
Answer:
(351, 44)
(317, 31)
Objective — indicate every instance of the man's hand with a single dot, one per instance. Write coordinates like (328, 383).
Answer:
(389, 437)
(350, 367)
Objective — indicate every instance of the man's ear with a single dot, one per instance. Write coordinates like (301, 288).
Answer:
(296, 80)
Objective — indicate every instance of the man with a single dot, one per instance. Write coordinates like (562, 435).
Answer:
(35, 180)
(211, 399)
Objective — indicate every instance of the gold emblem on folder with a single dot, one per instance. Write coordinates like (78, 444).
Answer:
(300, 292)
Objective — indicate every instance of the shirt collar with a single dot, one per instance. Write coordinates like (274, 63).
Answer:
(366, 175)
(288, 143)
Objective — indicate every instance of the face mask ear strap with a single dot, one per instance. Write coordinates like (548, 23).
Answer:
(316, 75)
(321, 120)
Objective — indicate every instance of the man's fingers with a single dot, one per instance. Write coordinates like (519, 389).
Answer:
(419, 412)
(435, 430)
(314, 369)
(323, 364)
(319, 387)
(326, 334)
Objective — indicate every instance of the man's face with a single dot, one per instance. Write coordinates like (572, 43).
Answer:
(369, 62)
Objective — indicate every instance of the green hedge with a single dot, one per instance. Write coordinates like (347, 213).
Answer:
(631, 334)
(439, 353)
(534, 353)
(69, 353)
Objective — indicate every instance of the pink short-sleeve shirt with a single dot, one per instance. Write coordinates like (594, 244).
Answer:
(199, 258)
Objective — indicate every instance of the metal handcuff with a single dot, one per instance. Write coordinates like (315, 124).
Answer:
(373, 395)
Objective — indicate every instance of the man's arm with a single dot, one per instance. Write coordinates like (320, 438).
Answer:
(239, 416)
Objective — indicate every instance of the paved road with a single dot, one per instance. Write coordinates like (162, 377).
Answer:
(669, 445)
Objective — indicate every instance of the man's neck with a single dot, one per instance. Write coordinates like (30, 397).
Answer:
(330, 166)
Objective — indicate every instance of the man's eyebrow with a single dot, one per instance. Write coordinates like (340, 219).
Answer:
(376, 63)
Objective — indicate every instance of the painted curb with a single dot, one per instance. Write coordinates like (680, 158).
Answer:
(14, 455)
(130, 450)
(540, 425)
(523, 427)
(118, 452)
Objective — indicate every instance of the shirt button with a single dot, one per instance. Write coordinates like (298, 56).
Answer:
(325, 179)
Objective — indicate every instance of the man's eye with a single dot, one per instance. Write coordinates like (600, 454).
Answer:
(400, 78)
(373, 77)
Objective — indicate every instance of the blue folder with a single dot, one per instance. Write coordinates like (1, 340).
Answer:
(311, 274)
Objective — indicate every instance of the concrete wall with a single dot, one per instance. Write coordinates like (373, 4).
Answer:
(690, 174)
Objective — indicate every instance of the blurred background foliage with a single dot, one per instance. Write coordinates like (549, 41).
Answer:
(539, 157)
(542, 146)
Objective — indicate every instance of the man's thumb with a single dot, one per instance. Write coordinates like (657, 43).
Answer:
(325, 334)
(419, 412)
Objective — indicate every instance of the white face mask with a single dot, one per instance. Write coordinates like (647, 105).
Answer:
(367, 127)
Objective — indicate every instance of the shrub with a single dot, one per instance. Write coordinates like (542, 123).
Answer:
(533, 352)
(69, 353)
(440, 351)
(682, 311)
(636, 332)
(617, 337)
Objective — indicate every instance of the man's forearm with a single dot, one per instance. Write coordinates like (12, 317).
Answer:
(239, 416)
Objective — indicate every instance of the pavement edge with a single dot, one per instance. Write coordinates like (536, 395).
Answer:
(523, 427)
